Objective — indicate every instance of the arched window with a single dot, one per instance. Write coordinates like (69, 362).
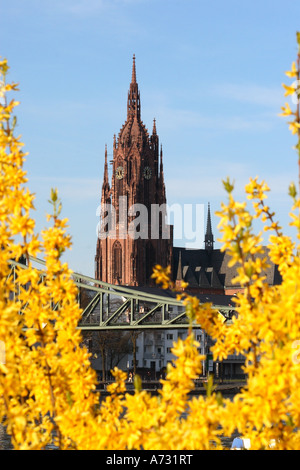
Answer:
(117, 261)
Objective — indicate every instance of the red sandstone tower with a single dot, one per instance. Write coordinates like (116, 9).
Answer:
(133, 235)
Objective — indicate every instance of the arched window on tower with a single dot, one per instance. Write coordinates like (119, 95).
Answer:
(117, 261)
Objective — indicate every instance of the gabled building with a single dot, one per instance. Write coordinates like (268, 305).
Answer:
(206, 270)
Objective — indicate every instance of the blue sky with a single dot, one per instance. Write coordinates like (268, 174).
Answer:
(210, 72)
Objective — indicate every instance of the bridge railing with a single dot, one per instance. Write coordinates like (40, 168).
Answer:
(106, 306)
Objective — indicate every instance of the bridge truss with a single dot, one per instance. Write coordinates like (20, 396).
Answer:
(110, 307)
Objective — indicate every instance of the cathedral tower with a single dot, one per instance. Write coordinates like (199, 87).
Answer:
(133, 235)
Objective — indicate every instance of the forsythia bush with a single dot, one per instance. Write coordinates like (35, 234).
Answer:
(47, 387)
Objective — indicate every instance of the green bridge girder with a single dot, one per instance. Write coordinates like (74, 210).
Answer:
(111, 307)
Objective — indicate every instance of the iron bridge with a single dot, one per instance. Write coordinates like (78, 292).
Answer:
(112, 307)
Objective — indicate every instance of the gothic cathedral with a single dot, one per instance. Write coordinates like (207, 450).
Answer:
(133, 234)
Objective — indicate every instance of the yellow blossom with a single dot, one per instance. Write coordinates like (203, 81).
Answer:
(286, 110)
(294, 127)
(289, 90)
(293, 72)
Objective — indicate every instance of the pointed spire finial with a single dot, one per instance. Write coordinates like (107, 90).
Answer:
(179, 276)
(154, 127)
(133, 77)
(105, 177)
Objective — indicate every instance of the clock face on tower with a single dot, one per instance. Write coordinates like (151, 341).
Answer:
(147, 172)
(119, 172)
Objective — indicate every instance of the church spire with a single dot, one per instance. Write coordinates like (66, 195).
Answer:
(105, 185)
(133, 102)
(179, 276)
(154, 127)
(209, 238)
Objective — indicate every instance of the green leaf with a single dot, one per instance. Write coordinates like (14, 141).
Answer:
(292, 190)
(54, 195)
(209, 386)
(190, 312)
(229, 187)
(14, 123)
(219, 398)
(69, 398)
